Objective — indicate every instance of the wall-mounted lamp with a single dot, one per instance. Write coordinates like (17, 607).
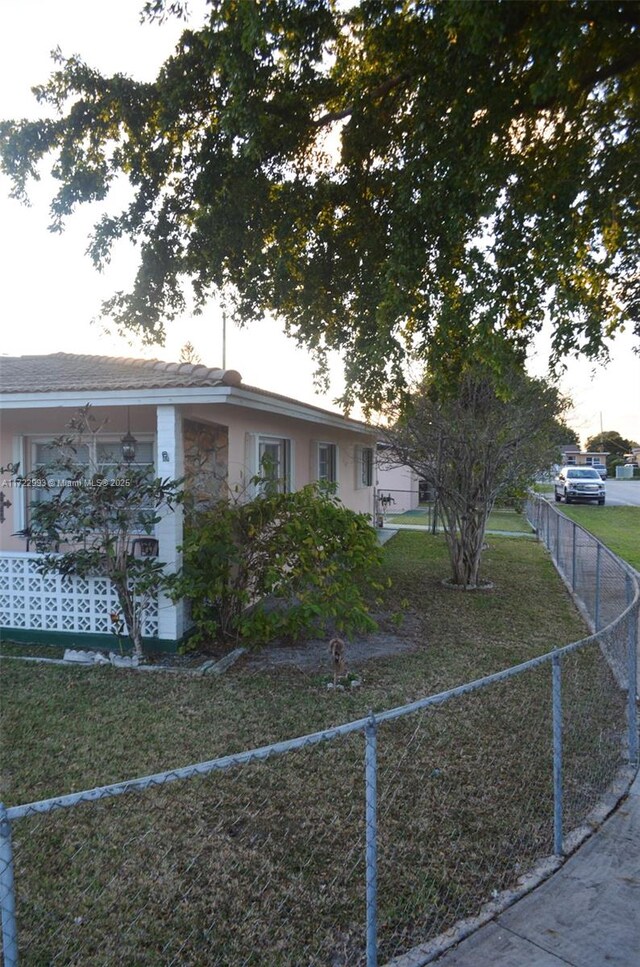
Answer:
(128, 443)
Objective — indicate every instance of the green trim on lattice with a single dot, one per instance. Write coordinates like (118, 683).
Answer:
(75, 639)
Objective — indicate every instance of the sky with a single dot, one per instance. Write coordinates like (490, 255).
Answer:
(50, 292)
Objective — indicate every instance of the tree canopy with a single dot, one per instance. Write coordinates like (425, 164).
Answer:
(387, 176)
(611, 442)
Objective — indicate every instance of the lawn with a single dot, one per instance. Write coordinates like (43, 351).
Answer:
(500, 519)
(263, 865)
(617, 527)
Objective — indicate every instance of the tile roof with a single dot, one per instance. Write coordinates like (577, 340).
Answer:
(68, 371)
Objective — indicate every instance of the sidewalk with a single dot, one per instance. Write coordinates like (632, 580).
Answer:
(428, 528)
(585, 915)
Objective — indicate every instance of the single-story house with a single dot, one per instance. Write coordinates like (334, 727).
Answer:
(574, 456)
(175, 413)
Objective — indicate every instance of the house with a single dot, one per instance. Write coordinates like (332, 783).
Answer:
(573, 456)
(398, 486)
(175, 414)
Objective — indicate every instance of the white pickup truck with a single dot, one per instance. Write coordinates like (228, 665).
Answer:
(579, 483)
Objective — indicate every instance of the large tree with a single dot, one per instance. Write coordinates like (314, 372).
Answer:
(372, 172)
(473, 443)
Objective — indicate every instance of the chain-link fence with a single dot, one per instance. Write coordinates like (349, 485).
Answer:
(353, 846)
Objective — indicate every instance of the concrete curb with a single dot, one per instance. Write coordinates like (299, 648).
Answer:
(208, 668)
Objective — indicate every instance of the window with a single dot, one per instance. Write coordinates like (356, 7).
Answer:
(103, 457)
(367, 467)
(274, 461)
(364, 467)
(327, 462)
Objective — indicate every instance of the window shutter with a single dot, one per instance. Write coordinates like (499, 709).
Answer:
(250, 463)
(290, 445)
(313, 461)
(358, 467)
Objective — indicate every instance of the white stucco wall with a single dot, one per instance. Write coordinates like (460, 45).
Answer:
(401, 484)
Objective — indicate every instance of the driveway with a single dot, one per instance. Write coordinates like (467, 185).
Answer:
(623, 493)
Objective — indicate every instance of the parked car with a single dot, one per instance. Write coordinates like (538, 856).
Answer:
(579, 483)
(602, 470)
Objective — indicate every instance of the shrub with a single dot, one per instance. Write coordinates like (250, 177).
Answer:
(285, 565)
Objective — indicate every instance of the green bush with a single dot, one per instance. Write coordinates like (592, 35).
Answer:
(284, 565)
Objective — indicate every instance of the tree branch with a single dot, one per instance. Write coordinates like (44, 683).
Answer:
(619, 66)
(390, 84)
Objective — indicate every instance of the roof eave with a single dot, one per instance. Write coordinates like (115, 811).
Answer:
(183, 395)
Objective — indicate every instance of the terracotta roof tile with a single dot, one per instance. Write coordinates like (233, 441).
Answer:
(68, 371)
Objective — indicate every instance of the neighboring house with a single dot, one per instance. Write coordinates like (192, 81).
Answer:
(573, 456)
(181, 416)
(398, 486)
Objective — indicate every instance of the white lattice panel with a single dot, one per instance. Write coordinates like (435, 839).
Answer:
(50, 602)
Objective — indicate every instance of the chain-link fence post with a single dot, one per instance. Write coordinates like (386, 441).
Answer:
(632, 673)
(558, 560)
(574, 557)
(548, 516)
(556, 670)
(596, 616)
(7, 893)
(371, 807)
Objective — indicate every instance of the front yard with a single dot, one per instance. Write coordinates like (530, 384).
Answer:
(72, 728)
(264, 864)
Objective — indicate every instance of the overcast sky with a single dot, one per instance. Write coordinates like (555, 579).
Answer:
(50, 291)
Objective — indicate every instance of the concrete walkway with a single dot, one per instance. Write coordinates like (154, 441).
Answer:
(585, 915)
(392, 529)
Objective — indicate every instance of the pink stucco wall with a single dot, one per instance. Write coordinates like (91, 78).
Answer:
(302, 434)
(19, 427)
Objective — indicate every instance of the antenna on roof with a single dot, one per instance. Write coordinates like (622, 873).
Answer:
(224, 339)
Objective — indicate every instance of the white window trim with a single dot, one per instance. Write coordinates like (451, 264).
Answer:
(19, 496)
(316, 444)
(29, 449)
(252, 458)
(360, 464)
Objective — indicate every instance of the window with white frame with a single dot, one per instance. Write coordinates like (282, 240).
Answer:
(274, 462)
(327, 468)
(104, 457)
(364, 467)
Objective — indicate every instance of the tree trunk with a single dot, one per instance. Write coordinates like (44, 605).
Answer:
(131, 615)
(465, 537)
